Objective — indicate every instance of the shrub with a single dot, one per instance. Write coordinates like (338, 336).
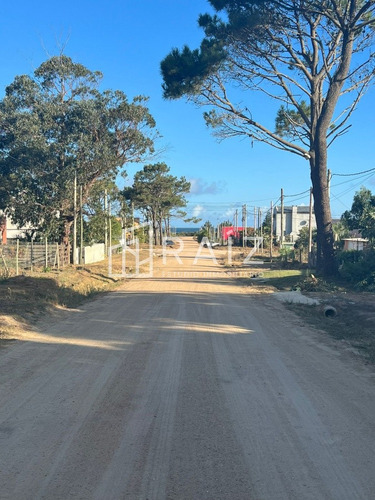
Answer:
(368, 283)
(287, 254)
(358, 267)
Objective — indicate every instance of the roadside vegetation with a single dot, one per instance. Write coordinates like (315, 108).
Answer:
(25, 299)
(353, 323)
(350, 293)
(28, 298)
(63, 146)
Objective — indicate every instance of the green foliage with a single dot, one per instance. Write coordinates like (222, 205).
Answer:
(206, 231)
(287, 254)
(358, 268)
(158, 195)
(303, 238)
(266, 230)
(340, 231)
(313, 284)
(361, 216)
(284, 279)
(306, 55)
(292, 122)
(184, 70)
(266, 225)
(56, 125)
(368, 283)
(96, 215)
(94, 229)
(226, 223)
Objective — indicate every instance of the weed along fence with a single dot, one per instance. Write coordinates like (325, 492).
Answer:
(18, 256)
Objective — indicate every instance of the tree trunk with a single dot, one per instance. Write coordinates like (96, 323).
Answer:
(66, 235)
(155, 230)
(160, 231)
(326, 263)
(322, 109)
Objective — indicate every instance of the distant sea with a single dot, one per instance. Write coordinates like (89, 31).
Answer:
(189, 230)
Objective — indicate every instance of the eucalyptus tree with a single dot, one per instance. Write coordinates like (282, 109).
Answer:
(57, 130)
(315, 57)
(159, 195)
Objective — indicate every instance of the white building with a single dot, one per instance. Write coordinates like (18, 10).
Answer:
(9, 230)
(358, 244)
(295, 218)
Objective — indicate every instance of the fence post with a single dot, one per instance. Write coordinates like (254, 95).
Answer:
(4, 261)
(31, 255)
(46, 249)
(58, 255)
(17, 256)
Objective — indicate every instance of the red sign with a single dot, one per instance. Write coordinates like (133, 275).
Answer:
(230, 232)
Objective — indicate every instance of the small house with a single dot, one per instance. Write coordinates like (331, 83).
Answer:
(355, 243)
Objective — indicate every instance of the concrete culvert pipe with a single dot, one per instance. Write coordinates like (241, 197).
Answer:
(329, 312)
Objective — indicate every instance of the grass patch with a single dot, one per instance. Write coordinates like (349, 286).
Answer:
(284, 279)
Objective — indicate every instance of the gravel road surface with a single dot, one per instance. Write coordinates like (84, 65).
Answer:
(184, 387)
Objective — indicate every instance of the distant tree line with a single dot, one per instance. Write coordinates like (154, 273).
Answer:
(159, 196)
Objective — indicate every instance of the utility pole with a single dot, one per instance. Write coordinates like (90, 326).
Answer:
(310, 229)
(110, 225)
(258, 219)
(105, 222)
(244, 223)
(282, 218)
(123, 223)
(271, 231)
(235, 224)
(75, 220)
(81, 226)
(329, 177)
(133, 221)
(261, 229)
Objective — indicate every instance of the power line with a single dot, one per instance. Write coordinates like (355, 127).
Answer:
(298, 194)
(357, 173)
(231, 206)
(348, 190)
(365, 178)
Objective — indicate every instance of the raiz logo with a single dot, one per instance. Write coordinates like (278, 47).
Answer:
(256, 242)
(137, 262)
(129, 246)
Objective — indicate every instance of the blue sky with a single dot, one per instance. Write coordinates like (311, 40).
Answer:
(126, 40)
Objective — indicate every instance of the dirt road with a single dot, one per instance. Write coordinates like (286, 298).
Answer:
(184, 386)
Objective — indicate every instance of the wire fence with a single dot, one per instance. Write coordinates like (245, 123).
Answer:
(17, 256)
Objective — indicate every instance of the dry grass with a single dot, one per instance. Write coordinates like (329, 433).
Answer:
(27, 298)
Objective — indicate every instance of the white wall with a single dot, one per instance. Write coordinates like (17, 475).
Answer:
(95, 253)
(294, 221)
